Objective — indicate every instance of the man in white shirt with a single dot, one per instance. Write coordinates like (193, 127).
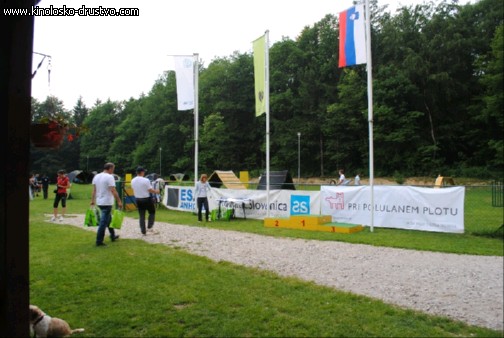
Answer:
(104, 192)
(142, 190)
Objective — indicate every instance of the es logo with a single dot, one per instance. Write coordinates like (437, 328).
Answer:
(186, 195)
(300, 205)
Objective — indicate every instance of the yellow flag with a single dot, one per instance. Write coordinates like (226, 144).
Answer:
(259, 74)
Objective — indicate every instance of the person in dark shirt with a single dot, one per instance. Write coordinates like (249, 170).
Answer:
(45, 185)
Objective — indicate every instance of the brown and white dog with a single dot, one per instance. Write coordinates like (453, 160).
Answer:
(47, 326)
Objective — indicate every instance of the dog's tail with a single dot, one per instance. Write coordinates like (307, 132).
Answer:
(77, 331)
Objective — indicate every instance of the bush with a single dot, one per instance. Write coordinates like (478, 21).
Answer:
(398, 177)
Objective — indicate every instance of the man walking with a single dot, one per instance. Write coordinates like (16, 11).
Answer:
(142, 190)
(104, 192)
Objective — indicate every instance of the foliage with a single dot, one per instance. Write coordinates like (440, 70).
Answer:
(437, 95)
(68, 155)
(51, 111)
(399, 178)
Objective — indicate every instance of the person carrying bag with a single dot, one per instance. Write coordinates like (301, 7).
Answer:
(92, 217)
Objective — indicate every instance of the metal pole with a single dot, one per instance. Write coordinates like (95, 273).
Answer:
(299, 156)
(87, 163)
(160, 161)
(266, 100)
(370, 108)
(196, 115)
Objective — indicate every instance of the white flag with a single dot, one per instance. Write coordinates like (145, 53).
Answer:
(184, 73)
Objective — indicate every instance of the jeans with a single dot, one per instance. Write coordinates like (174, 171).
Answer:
(106, 217)
(146, 204)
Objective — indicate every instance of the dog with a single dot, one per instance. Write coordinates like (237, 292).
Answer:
(47, 326)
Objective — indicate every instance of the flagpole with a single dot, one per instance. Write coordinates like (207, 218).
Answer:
(266, 100)
(370, 108)
(196, 116)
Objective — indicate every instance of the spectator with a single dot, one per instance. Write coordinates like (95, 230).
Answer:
(157, 184)
(104, 192)
(142, 190)
(201, 192)
(62, 184)
(31, 186)
(341, 177)
(45, 185)
(37, 184)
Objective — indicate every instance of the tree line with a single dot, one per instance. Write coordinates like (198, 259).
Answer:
(437, 101)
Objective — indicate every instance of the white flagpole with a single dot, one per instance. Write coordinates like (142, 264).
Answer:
(196, 116)
(370, 108)
(266, 100)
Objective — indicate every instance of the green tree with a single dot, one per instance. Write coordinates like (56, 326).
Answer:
(318, 75)
(214, 143)
(66, 156)
(101, 122)
(345, 126)
(491, 116)
(227, 87)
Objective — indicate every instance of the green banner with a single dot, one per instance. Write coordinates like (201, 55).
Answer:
(259, 74)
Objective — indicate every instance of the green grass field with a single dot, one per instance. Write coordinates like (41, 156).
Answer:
(479, 238)
(136, 289)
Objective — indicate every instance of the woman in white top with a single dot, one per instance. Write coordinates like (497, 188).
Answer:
(202, 187)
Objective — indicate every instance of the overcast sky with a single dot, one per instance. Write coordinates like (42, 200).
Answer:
(121, 57)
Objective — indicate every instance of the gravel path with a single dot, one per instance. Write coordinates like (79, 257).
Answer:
(463, 287)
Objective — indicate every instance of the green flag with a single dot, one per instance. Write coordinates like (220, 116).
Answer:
(259, 74)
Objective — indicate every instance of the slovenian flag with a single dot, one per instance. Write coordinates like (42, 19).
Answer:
(352, 43)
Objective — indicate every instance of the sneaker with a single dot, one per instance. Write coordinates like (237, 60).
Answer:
(115, 238)
(101, 244)
(60, 218)
(53, 219)
(152, 231)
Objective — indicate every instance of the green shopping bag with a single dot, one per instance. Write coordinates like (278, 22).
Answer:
(214, 215)
(117, 219)
(228, 214)
(91, 219)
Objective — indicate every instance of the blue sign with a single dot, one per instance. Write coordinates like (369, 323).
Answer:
(300, 205)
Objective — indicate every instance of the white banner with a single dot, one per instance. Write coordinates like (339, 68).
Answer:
(439, 210)
(247, 203)
(179, 198)
(283, 203)
(184, 74)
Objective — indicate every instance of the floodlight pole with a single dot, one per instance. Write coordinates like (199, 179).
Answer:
(299, 156)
